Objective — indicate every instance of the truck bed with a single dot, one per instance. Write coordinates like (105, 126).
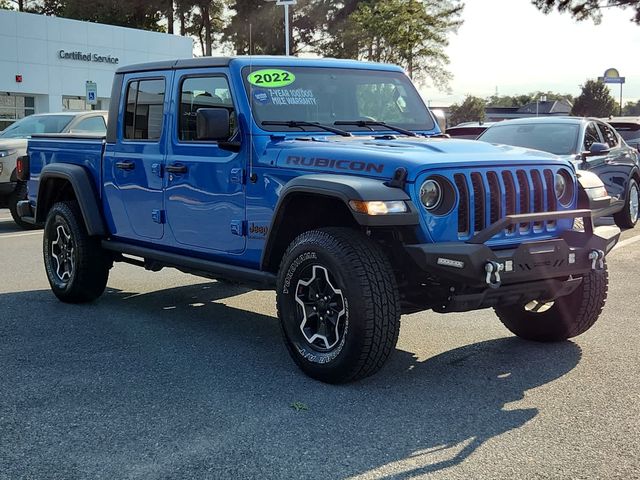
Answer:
(78, 149)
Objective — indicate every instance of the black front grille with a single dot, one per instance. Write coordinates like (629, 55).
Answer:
(509, 193)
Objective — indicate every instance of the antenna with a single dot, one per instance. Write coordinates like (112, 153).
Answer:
(252, 176)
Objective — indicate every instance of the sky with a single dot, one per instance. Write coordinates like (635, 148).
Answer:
(512, 46)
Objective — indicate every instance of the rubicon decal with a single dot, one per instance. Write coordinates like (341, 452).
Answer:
(319, 162)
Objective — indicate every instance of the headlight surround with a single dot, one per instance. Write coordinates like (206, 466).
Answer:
(431, 194)
(564, 187)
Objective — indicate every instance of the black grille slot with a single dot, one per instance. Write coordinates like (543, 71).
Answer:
(495, 197)
(552, 201)
(510, 196)
(463, 207)
(538, 195)
(478, 201)
(525, 203)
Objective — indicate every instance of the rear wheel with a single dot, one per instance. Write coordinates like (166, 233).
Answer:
(19, 194)
(77, 267)
(628, 216)
(564, 318)
(338, 304)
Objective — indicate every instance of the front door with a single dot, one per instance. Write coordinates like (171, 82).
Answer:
(204, 190)
(133, 181)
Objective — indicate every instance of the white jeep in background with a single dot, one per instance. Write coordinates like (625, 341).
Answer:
(13, 144)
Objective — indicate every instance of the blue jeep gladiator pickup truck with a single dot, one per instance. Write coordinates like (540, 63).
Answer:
(329, 182)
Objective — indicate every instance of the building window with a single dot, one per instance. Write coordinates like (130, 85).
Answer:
(14, 107)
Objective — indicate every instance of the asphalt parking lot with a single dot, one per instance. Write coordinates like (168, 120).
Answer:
(170, 376)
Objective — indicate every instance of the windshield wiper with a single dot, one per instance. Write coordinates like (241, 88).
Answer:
(372, 123)
(302, 123)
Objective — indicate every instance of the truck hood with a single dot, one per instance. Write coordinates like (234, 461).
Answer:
(379, 157)
(13, 144)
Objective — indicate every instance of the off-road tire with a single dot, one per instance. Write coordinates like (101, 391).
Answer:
(363, 274)
(91, 263)
(19, 194)
(624, 218)
(569, 316)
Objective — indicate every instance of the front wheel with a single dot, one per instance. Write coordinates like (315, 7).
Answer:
(338, 304)
(77, 267)
(564, 318)
(628, 216)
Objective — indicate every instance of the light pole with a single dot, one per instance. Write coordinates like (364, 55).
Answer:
(286, 4)
(543, 99)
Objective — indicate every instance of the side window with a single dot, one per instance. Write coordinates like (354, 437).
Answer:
(202, 92)
(145, 108)
(91, 125)
(609, 135)
(591, 136)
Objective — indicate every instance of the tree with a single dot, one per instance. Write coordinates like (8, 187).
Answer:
(471, 110)
(522, 100)
(632, 108)
(587, 9)
(411, 33)
(594, 101)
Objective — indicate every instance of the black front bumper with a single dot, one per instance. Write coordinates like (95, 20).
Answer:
(532, 270)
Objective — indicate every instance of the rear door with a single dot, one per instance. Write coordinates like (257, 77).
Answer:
(133, 182)
(204, 190)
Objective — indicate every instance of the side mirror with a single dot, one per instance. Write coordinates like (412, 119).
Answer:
(595, 150)
(213, 124)
(599, 149)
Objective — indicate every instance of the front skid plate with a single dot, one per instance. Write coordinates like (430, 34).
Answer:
(464, 263)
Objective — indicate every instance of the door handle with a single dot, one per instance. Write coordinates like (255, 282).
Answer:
(177, 169)
(125, 165)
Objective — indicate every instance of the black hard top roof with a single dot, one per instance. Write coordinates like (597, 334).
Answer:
(176, 64)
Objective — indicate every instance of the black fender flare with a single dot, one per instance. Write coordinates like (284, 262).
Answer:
(80, 180)
(344, 188)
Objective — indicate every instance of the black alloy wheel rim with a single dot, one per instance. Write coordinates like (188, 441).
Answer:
(321, 308)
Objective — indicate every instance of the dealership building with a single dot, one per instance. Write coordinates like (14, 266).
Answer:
(46, 62)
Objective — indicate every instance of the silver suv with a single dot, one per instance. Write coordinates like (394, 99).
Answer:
(13, 144)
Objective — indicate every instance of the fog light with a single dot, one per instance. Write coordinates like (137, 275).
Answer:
(379, 207)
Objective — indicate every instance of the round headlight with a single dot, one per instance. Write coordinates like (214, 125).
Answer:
(430, 194)
(561, 186)
(564, 186)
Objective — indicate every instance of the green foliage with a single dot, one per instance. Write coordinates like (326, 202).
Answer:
(594, 101)
(587, 9)
(632, 108)
(470, 110)
(411, 33)
(522, 100)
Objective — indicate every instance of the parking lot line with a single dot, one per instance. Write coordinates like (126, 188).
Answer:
(13, 235)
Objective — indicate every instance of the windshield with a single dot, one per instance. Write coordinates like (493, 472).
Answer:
(36, 124)
(329, 95)
(556, 138)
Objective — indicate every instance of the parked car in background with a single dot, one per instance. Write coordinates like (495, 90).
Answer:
(469, 130)
(591, 144)
(628, 128)
(13, 144)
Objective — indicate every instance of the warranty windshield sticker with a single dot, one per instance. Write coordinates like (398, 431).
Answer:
(271, 78)
(298, 96)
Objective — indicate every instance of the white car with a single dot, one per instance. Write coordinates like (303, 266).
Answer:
(13, 144)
